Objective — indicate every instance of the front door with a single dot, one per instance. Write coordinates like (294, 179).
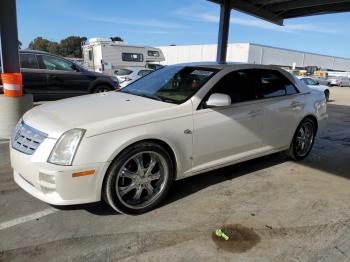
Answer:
(226, 134)
(62, 78)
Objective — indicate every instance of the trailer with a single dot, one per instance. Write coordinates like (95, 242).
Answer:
(106, 56)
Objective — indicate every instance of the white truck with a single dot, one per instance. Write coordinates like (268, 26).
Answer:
(106, 56)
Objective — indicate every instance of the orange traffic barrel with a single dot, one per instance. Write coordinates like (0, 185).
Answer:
(12, 84)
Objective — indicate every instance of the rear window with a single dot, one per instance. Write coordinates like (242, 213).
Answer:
(144, 72)
(123, 72)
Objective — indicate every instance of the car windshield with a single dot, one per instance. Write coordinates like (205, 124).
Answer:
(172, 84)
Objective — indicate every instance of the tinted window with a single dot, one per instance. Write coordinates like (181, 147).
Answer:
(28, 61)
(274, 84)
(123, 72)
(144, 72)
(153, 53)
(238, 85)
(53, 63)
(132, 57)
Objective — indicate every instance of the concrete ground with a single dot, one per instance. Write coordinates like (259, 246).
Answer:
(273, 208)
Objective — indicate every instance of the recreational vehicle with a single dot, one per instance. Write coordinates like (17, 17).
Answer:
(106, 56)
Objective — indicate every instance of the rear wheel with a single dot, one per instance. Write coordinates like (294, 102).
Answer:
(303, 139)
(101, 89)
(139, 178)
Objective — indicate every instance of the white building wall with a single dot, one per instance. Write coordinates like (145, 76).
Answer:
(253, 53)
(273, 56)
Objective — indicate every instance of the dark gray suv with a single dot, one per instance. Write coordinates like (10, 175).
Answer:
(50, 77)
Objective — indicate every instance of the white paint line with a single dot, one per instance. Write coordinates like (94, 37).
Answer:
(21, 220)
(4, 142)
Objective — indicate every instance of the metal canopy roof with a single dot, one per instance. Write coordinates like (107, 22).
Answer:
(276, 11)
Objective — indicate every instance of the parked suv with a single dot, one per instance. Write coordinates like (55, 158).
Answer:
(50, 77)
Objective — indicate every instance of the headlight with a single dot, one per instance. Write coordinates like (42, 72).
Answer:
(65, 148)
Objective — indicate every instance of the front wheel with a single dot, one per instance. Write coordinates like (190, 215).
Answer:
(303, 139)
(139, 178)
(102, 89)
(326, 94)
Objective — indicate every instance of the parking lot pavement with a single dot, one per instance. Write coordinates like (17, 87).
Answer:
(296, 211)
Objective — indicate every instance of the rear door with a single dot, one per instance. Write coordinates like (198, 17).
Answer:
(283, 105)
(63, 78)
(227, 134)
(34, 78)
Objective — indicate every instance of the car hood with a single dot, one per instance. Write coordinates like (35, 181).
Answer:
(97, 113)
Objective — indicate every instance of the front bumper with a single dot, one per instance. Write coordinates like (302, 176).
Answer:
(55, 184)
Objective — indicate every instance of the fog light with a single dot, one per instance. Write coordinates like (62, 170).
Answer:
(47, 178)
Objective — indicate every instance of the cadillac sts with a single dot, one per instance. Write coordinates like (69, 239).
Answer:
(128, 146)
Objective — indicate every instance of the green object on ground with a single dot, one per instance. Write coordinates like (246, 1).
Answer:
(220, 233)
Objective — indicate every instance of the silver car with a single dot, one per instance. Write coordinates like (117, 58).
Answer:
(339, 81)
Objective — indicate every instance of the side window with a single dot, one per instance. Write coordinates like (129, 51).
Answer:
(28, 61)
(132, 57)
(153, 53)
(53, 63)
(273, 84)
(239, 85)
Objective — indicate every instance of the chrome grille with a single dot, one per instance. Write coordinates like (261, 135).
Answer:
(27, 139)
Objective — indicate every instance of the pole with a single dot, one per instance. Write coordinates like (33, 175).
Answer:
(12, 103)
(9, 36)
(224, 25)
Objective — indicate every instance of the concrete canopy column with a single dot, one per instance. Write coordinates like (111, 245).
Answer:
(11, 108)
(224, 26)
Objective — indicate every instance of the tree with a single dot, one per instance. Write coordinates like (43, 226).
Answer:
(19, 44)
(71, 46)
(117, 38)
(39, 43)
(53, 48)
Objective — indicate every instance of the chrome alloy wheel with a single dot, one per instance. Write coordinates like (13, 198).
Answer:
(141, 179)
(304, 139)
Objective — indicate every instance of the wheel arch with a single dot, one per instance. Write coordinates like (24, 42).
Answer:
(158, 141)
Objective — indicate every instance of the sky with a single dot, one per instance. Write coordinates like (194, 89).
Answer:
(179, 22)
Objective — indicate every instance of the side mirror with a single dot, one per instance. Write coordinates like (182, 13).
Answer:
(75, 67)
(218, 100)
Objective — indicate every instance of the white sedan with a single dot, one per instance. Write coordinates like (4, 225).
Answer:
(312, 83)
(130, 74)
(128, 146)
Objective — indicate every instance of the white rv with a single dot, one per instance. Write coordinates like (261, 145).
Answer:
(106, 56)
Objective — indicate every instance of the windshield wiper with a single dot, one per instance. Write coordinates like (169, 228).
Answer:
(154, 97)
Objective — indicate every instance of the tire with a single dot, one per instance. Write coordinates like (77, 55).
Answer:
(101, 89)
(297, 150)
(139, 178)
(326, 93)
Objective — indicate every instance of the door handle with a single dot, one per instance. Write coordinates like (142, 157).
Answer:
(53, 77)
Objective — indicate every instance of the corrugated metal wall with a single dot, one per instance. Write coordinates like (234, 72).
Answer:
(253, 53)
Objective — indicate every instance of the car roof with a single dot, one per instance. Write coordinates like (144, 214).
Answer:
(137, 68)
(216, 65)
(33, 51)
